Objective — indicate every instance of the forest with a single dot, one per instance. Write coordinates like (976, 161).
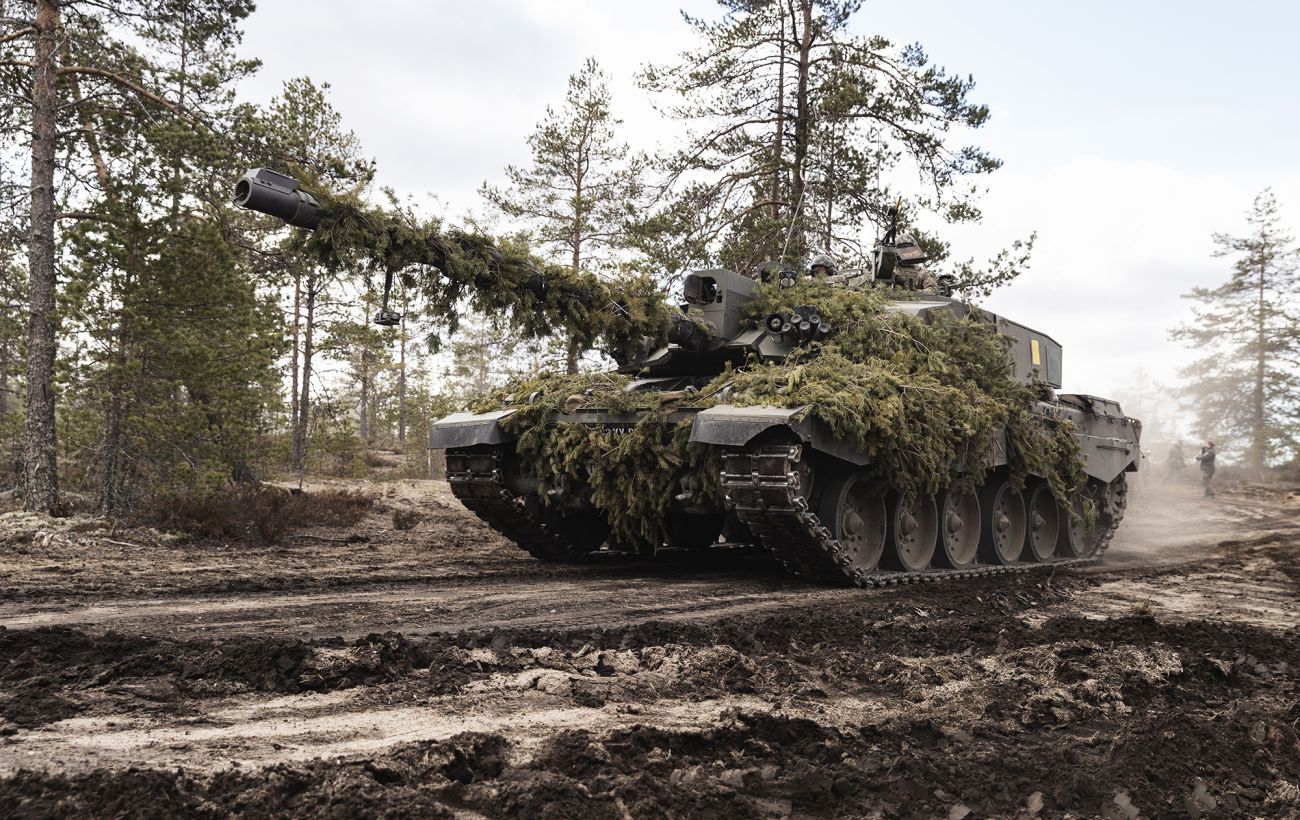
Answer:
(160, 341)
(164, 342)
(838, 538)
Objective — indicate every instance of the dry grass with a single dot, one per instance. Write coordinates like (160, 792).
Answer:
(406, 519)
(258, 514)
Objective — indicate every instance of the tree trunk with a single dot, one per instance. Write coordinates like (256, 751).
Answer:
(363, 424)
(780, 119)
(111, 496)
(110, 490)
(40, 461)
(571, 360)
(304, 396)
(177, 167)
(401, 383)
(829, 193)
(802, 121)
(293, 354)
(4, 375)
(1259, 438)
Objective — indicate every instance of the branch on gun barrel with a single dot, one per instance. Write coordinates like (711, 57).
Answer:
(451, 266)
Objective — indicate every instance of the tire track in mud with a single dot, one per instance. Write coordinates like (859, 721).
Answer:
(674, 690)
(586, 595)
(1066, 716)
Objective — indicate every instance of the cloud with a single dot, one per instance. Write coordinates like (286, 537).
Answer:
(1119, 242)
(443, 95)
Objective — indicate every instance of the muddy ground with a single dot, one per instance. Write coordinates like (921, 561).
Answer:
(439, 672)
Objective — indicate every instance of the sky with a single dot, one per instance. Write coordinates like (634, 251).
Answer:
(1130, 131)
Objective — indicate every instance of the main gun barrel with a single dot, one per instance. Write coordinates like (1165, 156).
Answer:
(268, 192)
(687, 334)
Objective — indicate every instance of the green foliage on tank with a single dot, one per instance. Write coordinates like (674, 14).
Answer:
(924, 400)
(452, 267)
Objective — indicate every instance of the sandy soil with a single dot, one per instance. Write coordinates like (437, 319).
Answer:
(440, 672)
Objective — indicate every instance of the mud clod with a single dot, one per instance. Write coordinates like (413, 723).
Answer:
(1008, 698)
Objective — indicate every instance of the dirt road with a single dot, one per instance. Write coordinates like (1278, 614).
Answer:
(441, 672)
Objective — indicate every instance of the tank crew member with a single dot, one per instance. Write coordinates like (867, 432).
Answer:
(917, 278)
(1207, 468)
(822, 265)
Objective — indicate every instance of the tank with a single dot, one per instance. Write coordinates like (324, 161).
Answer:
(790, 485)
(782, 479)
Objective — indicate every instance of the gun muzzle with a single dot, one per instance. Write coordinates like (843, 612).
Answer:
(268, 192)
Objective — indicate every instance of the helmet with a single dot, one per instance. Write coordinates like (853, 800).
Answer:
(909, 250)
(822, 260)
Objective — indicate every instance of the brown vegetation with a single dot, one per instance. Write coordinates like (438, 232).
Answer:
(261, 514)
(406, 519)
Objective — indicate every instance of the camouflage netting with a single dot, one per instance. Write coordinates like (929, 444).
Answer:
(632, 476)
(924, 400)
(452, 267)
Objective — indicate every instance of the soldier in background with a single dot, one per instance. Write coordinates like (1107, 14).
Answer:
(1207, 468)
(1176, 462)
(918, 278)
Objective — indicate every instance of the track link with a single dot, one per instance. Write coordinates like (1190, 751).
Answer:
(763, 484)
(477, 480)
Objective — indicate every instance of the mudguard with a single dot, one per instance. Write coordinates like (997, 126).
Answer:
(468, 429)
(1105, 457)
(731, 426)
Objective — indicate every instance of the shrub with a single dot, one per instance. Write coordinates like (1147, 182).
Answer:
(406, 519)
(258, 514)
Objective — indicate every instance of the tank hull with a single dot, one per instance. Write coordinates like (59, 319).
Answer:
(790, 486)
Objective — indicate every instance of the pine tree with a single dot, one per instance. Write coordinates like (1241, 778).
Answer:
(303, 136)
(482, 359)
(583, 185)
(800, 128)
(178, 343)
(71, 58)
(365, 348)
(1244, 385)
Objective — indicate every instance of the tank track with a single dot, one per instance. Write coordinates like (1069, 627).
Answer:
(476, 479)
(763, 486)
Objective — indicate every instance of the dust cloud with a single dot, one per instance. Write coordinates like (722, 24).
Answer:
(1169, 520)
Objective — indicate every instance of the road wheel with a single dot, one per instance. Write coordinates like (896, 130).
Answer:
(1043, 532)
(1107, 501)
(1002, 537)
(855, 514)
(913, 533)
(959, 526)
